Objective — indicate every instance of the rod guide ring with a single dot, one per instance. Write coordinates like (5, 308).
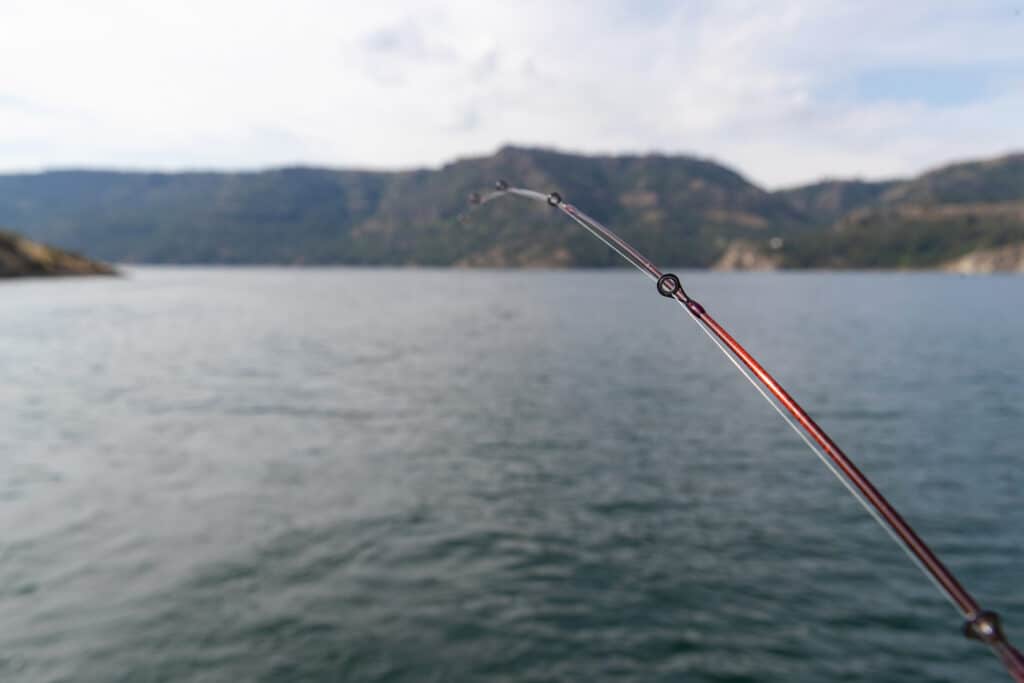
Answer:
(668, 285)
(985, 627)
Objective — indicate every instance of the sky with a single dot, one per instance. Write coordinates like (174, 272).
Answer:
(786, 92)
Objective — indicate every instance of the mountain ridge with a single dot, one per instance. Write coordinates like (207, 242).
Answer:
(685, 210)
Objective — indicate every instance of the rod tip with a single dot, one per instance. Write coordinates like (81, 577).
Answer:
(501, 186)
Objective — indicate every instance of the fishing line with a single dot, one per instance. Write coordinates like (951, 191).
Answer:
(825, 461)
(980, 624)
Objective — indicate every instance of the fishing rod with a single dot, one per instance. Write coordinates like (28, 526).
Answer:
(979, 624)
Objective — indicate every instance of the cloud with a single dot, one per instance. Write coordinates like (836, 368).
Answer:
(785, 92)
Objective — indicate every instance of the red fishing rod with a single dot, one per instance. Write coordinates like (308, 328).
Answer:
(980, 624)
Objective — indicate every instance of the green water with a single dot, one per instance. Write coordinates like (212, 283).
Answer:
(414, 475)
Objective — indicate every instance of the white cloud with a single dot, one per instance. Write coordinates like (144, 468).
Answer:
(387, 85)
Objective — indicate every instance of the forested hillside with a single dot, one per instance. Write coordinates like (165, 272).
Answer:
(682, 210)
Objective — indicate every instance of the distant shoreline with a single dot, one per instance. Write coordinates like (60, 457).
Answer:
(966, 216)
(125, 268)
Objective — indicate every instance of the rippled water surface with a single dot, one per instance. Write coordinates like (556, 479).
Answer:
(406, 475)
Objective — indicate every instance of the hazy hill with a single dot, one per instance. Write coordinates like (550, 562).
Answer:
(273, 216)
(684, 211)
(929, 221)
(993, 180)
(829, 200)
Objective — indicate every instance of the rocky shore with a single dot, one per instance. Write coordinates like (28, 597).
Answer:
(1007, 259)
(20, 257)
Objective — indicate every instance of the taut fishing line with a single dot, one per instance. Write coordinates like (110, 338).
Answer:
(983, 625)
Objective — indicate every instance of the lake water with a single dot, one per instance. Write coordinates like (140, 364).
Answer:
(417, 475)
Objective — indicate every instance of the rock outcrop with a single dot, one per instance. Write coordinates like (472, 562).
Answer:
(1008, 259)
(23, 257)
(745, 255)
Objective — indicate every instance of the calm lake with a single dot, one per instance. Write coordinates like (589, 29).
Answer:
(420, 475)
